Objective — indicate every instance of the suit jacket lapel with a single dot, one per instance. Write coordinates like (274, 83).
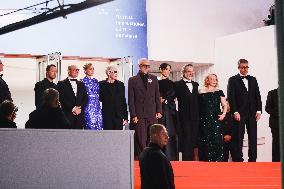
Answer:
(140, 83)
(185, 87)
(69, 86)
(241, 82)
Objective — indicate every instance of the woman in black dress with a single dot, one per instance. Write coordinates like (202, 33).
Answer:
(169, 119)
(211, 117)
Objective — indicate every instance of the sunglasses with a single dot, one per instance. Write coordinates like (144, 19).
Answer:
(145, 66)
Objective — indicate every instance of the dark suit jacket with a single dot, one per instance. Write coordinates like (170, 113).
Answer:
(40, 87)
(271, 107)
(243, 101)
(187, 101)
(4, 91)
(47, 118)
(69, 100)
(144, 103)
(155, 169)
(5, 123)
(113, 104)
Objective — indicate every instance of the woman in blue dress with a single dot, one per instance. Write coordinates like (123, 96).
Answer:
(93, 111)
(211, 127)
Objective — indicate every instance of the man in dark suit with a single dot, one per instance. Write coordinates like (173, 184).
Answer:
(245, 102)
(144, 104)
(49, 115)
(271, 107)
(155, 168)
(46, 83)
(187, 95)
(112, 96)
(73, 98)
(4, 89)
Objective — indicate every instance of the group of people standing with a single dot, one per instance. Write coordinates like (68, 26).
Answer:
(210, 122)
(86, 103)
(195, 117)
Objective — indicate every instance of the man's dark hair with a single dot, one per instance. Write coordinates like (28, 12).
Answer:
(7, 107)
(49, 96)
(156, 129)
(164, 66)
(242, 60)
(48, 67)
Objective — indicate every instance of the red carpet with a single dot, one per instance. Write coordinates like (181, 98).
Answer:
(204, 175)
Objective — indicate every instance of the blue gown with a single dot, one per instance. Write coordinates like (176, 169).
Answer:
(93, 110)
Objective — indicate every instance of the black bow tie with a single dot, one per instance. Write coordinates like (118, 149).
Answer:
(1, 75)
(188, 81)
(244, 77)
(73, 79)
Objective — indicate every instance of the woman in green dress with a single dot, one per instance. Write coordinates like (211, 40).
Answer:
(211, 138)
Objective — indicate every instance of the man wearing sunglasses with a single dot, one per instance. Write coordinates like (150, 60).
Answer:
(112, 96)
(73, 98)
(144, 104)
(245, 102)
(4, 89)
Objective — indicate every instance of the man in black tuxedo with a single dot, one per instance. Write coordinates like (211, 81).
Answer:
(112, 96)
(73, 98)
(271, 107)
(187, 95)
(245, 102)
(155, 168)
(46, 83)
(4, 89)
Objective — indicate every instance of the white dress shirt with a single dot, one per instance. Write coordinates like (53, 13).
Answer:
(74, 85)
(245, 80)
(189, 85)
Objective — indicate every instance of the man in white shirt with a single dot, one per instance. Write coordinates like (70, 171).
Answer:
(245, 102)
(187, 95)
(73, 98)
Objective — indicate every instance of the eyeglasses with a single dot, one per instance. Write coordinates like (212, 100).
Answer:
(145, 66)
(244, 67)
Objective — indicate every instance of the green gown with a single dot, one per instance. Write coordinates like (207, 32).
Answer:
(211, 136)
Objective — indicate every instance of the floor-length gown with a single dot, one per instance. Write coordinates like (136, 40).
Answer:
(93, 110)
(211, 135)
(169, 116)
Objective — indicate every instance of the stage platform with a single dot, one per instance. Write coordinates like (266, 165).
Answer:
(233, 175)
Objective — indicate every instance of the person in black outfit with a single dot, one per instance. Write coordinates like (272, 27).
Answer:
(271, 107)
(169, 118)
(8, 114)
(73, 98)
(245, 102)
(49, 114)
(155, 168)
(4, 89)
(46, 83)
(186, 91)
(112, 96)
(229, 133)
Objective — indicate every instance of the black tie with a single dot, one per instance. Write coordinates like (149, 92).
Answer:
(244, 77)
(1, 75)
(73, 79)
(188, 81)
